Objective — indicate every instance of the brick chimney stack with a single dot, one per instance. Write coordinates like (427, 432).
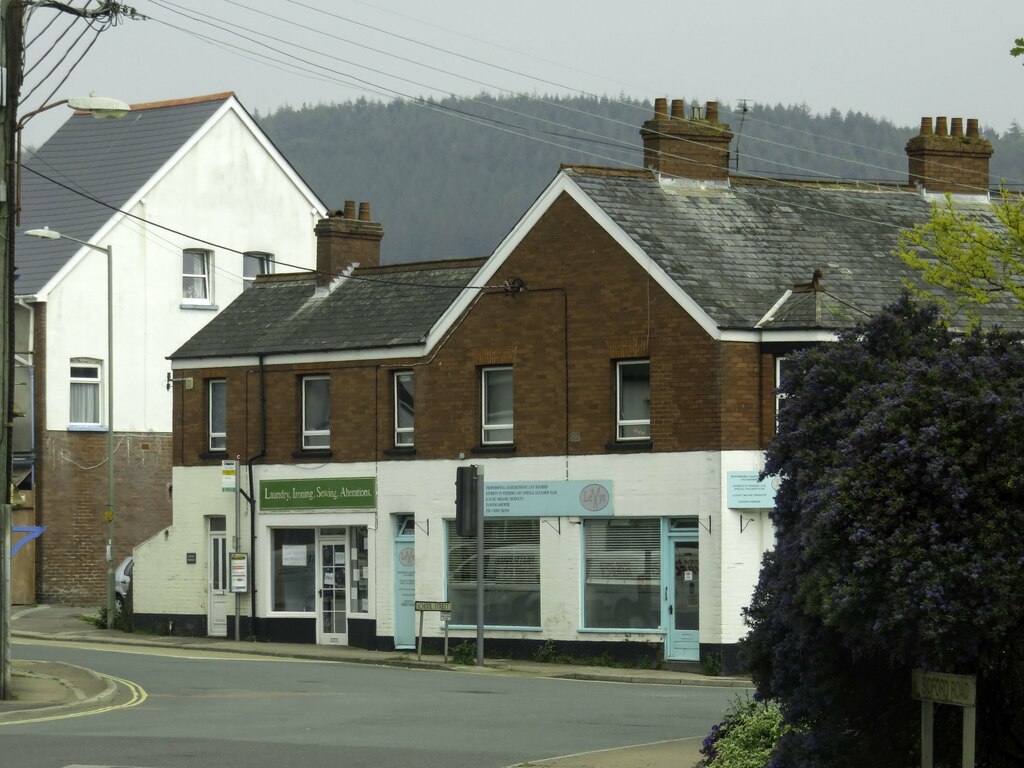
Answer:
(695, 147)
(345, 238)
(948, 159)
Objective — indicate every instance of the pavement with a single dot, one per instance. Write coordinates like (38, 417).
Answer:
(51, 689)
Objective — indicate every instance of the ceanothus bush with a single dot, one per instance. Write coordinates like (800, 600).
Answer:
(900, 543)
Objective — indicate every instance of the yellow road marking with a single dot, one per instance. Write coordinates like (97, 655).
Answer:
(138, 695)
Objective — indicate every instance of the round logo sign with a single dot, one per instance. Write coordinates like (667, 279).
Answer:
(594, 497)
(407, 556)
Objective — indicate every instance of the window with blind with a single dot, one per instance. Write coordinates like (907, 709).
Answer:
(622, 573)
(511, 574)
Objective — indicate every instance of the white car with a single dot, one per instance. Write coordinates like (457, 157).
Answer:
(122, 582)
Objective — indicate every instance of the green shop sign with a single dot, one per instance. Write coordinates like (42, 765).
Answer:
(322, 493)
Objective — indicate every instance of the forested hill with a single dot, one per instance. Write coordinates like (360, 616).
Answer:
(450, 179)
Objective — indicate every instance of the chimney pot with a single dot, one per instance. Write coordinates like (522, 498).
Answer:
(711, 113)
(946, 161)
(344, 242)
(686, 149)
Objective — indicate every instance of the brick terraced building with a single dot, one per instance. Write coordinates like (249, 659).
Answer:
(611, 367)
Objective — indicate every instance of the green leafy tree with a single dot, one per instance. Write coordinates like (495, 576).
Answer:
(900, 543)
(977, 258)
(1018, 48)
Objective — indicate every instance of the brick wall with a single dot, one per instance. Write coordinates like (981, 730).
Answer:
(586, 305)
(73, 500)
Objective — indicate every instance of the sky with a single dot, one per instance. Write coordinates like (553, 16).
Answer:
(894, 59)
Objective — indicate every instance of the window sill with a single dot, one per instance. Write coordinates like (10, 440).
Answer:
(312, 453)
(207, 307)
(86, 428)
(405, 450)
(629, 446)
(213, 455)
(485, 449)
(623, 631)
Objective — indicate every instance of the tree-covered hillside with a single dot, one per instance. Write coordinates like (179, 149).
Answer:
(448, 179)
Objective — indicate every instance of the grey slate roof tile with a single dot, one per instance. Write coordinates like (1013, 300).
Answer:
(87, 170)
(735, 250)
(374, 308)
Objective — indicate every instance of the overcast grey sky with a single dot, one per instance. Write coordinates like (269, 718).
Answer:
(893, 59)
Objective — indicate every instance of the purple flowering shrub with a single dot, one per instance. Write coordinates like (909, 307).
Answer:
(900, 543)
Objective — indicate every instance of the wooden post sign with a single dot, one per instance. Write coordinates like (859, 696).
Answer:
(445, 608)
(931, 688)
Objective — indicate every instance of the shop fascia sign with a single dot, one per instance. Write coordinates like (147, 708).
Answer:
(319, 493)
(555, 498)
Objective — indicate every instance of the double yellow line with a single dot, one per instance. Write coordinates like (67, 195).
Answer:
(138, 695)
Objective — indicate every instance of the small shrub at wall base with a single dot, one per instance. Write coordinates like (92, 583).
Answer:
(746, 737)
(122, 621)
(711, 663)
(464, 653)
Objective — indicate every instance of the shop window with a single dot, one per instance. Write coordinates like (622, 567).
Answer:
(404, 410)
(316, 412)
(622, 573)
(511, 574)
(196, 276)
(85, 393)
(633, 379)
(496, 397)
(294, 570)
(359, 569)
(218, 389)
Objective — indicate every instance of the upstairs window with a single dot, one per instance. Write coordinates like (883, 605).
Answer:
(254, 264)
(85, 393)
(496, 397)
(783, 368)
(195, 276)
(218, 395)
(316, 412)
(404, 410)
(633, 379)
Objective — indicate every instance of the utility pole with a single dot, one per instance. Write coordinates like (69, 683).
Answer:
(11, 20)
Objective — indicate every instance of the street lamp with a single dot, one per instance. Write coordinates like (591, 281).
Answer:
(101, 107)
(49, 234)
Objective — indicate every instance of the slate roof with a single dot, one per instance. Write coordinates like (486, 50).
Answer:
(107, 161)
(373, 308)
(737, 249)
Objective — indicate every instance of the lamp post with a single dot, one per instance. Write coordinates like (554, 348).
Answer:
(49, 234)
(101, 107)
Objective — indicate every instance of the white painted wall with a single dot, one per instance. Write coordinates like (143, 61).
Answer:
(645, 485)
(162, 580)
(225, 190)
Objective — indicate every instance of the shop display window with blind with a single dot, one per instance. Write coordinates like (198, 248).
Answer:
(622, 571)
(511, 574)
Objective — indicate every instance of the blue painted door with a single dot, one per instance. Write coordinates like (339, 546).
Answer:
(681, 591)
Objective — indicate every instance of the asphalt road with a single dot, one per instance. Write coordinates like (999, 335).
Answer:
(207, 709)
